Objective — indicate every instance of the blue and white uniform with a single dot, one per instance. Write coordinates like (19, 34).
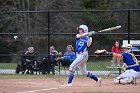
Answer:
(130, 60)
(81, 44)
(82, 57)
(133, 69)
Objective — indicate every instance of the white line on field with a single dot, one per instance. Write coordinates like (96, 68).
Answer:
(33, 91)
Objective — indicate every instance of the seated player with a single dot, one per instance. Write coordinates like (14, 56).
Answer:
(131, 64)
(49, 64)
(27, 60)
(69, 56)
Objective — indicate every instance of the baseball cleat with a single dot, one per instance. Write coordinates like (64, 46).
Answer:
(67, 85)
(116, 81)
(99, 82)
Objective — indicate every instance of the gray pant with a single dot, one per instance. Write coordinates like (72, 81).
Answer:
(80, 62)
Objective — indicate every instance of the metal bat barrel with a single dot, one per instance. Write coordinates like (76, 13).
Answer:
(109, 29)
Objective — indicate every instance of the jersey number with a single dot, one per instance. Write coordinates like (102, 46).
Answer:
(81, 43)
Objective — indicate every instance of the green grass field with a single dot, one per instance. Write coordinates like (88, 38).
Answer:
(7, 65)
(28, 76)
(97, 65)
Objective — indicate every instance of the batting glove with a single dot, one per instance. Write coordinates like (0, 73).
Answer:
(91, 33)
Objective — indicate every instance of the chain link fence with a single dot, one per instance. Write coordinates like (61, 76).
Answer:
(42, 29)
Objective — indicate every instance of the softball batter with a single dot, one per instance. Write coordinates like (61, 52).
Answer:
(82, 42)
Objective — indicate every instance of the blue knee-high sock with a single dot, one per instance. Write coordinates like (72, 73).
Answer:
(71, 76)
(90, 75)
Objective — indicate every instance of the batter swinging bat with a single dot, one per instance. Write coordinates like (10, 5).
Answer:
(105, 30)
(109, 29)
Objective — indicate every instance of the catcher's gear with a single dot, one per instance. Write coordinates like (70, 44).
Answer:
(128, 46)
(123, 69)
(130, 80)
(100, 52)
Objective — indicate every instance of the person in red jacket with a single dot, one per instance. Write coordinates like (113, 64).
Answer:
(116, 48)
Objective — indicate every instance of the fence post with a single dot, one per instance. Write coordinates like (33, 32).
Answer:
(49, 40)
(128, 26)
(48, 32)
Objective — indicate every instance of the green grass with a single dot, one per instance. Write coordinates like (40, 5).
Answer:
(27, 76)
(96, 65)
(7, 65)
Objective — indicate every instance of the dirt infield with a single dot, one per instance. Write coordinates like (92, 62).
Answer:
(49, 85)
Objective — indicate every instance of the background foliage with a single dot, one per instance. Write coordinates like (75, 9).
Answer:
(61, 22)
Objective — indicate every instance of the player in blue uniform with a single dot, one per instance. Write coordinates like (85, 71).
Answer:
(82, 42)
(69, 54)
(130, 63)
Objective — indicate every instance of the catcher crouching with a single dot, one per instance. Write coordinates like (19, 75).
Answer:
(130, 62)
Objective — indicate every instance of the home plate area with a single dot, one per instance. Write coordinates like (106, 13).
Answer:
(53, 85)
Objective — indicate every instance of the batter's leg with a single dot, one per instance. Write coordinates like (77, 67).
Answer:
(83, 70)
(78, 61)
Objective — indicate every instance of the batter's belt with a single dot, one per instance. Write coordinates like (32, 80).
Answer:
(81, 52)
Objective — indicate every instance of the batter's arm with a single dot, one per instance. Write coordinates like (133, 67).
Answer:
(89, 42)
(82, 35)
(85, 34)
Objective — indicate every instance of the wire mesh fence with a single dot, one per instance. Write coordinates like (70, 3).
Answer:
(42, 29)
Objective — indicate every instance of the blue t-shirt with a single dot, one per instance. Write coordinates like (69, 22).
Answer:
(81, 44)
(129, 59)
(70, 56)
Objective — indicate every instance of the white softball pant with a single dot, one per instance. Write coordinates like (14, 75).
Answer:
(129, 73)
(80, 62)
